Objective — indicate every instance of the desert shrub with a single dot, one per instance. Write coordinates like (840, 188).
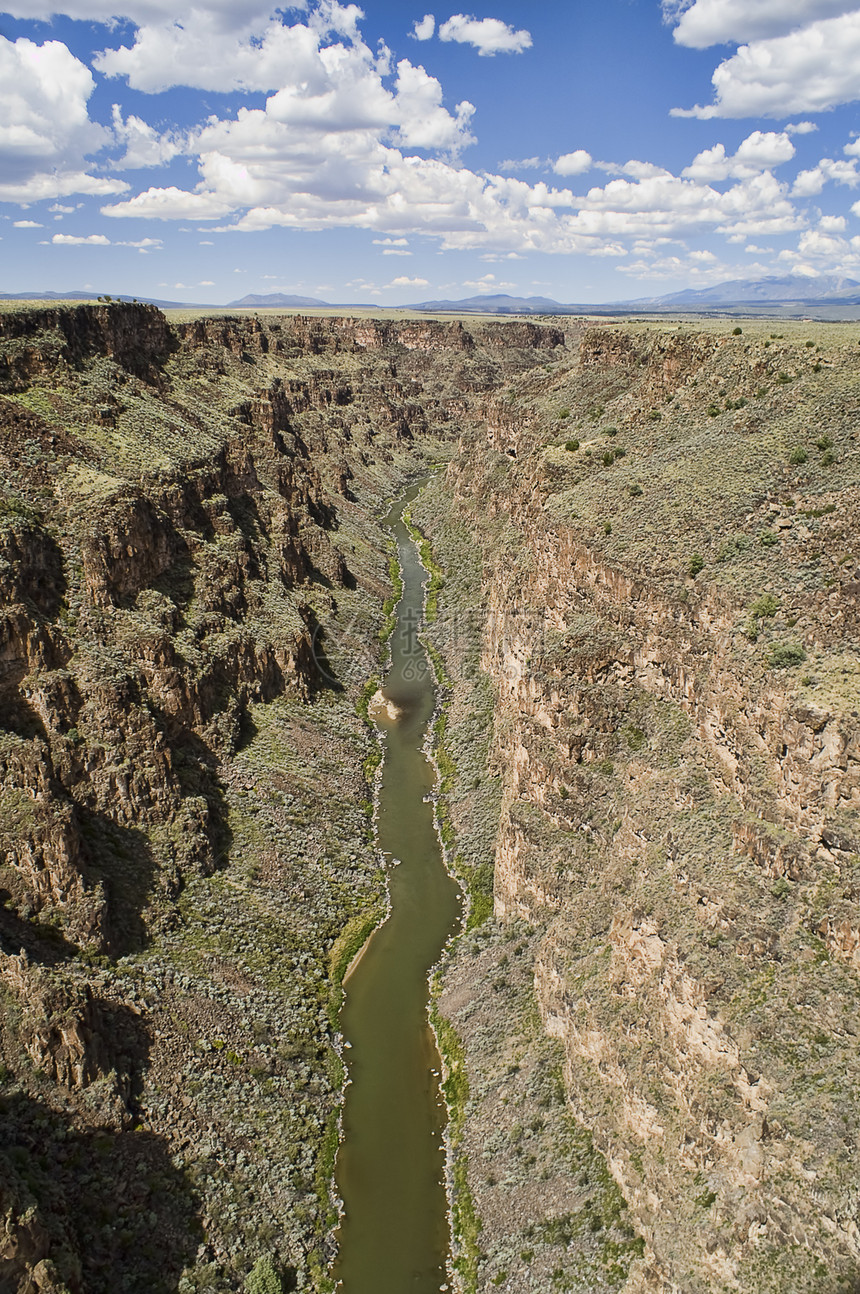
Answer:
(572, 445)
(828, 458)
(634, 490)
(612, 431)
(766, 605)
(797, 456)
(737, 332)
(608, 458)
(714, 411)
(697, 563)
(768, 538)
(564, 413)
(785, 654)
(824, 442)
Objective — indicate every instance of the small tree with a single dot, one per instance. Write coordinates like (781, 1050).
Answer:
(263, 1279)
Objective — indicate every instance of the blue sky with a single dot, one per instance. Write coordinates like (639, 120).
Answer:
(395, 152)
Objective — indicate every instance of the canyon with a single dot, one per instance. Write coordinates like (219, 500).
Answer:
(643, 607)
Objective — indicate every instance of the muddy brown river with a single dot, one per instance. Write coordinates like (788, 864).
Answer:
(394, 1236)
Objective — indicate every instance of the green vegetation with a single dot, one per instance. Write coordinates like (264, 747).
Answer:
(263, 1278)
(786, 654)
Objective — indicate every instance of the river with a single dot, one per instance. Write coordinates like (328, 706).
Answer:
(394, 1235)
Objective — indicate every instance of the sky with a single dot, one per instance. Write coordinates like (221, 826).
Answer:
(583, 150)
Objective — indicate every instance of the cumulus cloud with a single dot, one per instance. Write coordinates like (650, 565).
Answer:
(201, 52)
(403, 282)
(27, 224)
(76, 240)
(800, 128)
(575, 163)
(171, 203)
(46, 134)
(760, 151)
(719, 22)
(811, 182)
(143, 145)
(424, 29)
(809, 70)
(488, 35)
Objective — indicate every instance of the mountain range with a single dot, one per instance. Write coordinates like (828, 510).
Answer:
(826, 296)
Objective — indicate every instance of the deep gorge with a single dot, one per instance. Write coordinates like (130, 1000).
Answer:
(645, 607)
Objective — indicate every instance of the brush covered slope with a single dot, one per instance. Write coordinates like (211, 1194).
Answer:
(191, 577)
(667, 600)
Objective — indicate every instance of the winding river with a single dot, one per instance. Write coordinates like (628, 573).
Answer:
(394, 1236)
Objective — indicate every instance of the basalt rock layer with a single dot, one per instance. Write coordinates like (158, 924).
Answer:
(191, 573)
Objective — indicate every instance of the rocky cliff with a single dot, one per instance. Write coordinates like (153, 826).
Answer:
(670, 619)
(191, 573)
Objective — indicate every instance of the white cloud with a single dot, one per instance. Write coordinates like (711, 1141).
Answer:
(143, 145)
(75, 240)
(833, 224)
(521, 164)
(800, 128)
(27, 224)
(488, 283)
(758, 152)
(390, 242)
(403, 282)
(171, 204)
(718, 22)
(424, 29)
(57, 206)
(575, 163)
(45, 130)
(809, 70)
(395, 251)
(488, 35)
(811, 182)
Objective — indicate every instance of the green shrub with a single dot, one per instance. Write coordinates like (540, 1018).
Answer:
(797, 456)
(572, 445)
(697, 563)
(768, 538)
(612, 431)
(824, 442)
(766, 605)
(263, 1279)
(785, 654)
(564, 413)
(714, 411)
(607, 527)
(634, 490)
(737, 332)
(828, 458)
(608, 458)
(655, 415)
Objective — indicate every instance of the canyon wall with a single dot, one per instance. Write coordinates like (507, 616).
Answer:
(191, 579)
(669, 614)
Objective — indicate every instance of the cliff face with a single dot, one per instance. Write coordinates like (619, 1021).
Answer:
(670, 621)
(190, 580)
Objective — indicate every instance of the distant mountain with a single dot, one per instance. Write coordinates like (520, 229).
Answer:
(276, 299)
(788, 287)
(498, 304)
(92, 296)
